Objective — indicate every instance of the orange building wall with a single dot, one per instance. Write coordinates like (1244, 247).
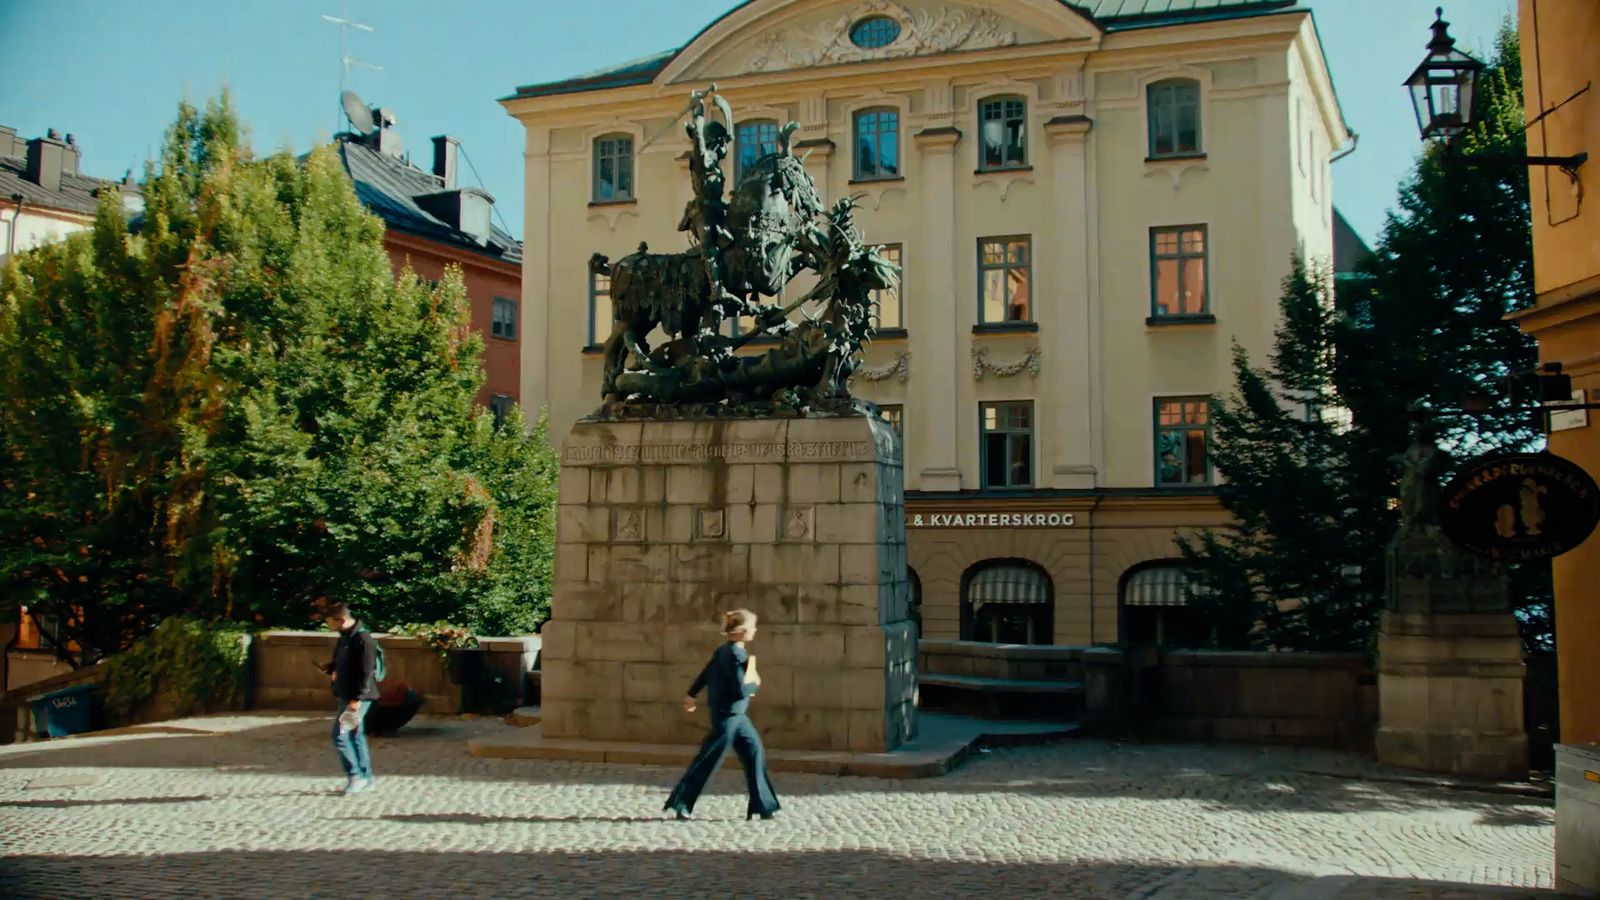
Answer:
(1558, 39)
(486, 279)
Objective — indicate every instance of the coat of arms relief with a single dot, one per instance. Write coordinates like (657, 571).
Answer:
(921, 32)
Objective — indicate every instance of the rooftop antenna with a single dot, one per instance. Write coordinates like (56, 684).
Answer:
(345, 23)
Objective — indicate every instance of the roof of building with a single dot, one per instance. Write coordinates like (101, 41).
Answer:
(78, 193)
(1348, 247)
(1111, 15)
(388, 186)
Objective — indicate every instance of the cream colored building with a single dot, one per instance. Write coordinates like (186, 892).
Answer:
(1092, 201)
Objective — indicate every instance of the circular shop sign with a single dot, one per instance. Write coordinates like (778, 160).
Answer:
(1520, 507)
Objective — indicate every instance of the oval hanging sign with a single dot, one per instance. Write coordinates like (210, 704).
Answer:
(1521, 506)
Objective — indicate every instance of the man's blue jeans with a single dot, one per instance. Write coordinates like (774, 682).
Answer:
(352, 745)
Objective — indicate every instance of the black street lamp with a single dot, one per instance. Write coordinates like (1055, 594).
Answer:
(1443, 86)
(1443, 93)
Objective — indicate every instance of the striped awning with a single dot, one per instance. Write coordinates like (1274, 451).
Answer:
(1002, 583)
(1157, 586)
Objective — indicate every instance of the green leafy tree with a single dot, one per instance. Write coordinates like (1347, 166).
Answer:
(235, 399)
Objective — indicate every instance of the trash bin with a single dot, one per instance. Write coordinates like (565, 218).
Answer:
(67, 711)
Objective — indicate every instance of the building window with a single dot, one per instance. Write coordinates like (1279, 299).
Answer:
(1005, 273)
(500, 405)
(1178, 272)
(613, 168)
(894, 414)
(877, 144)
(887, 311)
(755, 140)
(1007, 447)
(505, 319)
(1007, 602)
(1174, 116)
(599, 308)
(874, 32)
(1003, 129)
(1183, 436)
(1156, 607)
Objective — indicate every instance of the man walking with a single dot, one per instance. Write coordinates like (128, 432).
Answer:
(354, 673)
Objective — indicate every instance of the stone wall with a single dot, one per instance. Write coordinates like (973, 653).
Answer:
(664, 525)
(285, 674)
(1311, 699)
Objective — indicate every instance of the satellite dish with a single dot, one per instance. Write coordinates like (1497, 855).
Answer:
(357, 112)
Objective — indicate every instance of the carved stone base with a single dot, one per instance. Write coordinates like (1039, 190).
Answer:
(1450, 694)
(663, 525)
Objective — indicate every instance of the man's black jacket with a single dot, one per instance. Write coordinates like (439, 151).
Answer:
(355, 665)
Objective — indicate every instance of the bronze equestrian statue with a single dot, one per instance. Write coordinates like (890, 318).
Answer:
(744, 248)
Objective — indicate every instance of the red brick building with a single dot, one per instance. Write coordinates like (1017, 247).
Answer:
(432, 221)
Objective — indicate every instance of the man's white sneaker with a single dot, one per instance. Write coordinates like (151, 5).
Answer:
(357, 785)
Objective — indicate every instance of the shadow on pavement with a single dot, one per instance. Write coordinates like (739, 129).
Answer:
(1220, 778)
(678, 873)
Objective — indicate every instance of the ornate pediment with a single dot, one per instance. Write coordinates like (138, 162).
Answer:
(916, 32)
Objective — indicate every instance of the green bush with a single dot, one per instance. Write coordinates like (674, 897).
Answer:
(197, 666)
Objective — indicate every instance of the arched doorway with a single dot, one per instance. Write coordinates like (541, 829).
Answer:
(1154, 606)
(1007, 601)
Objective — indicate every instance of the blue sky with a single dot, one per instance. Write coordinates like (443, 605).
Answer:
(112, 71)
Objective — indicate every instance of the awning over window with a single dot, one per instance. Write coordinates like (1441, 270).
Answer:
(1157, 586)
(1003, 583)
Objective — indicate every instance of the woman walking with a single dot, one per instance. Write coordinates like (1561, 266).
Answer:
(729, 680)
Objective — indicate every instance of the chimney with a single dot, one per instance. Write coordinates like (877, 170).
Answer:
(467, 210)
(446, 149)
(387, 136)
(11, 146)
(47, 157)
(74, 156)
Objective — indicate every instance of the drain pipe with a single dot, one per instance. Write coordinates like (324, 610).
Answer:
(11, 237)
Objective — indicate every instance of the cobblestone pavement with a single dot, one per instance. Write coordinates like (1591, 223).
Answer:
(242, 806)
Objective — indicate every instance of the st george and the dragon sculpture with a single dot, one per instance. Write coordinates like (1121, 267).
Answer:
(744, 250)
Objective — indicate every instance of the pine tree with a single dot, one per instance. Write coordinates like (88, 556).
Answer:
(1284, 574)
(236, 400)
(1423, 324)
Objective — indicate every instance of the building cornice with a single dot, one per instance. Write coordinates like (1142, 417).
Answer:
(454, 252)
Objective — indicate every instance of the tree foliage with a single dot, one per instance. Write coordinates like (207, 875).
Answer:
(234, 399)
(1422, 323)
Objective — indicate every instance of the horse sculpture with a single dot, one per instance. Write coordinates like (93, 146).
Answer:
(745, 248)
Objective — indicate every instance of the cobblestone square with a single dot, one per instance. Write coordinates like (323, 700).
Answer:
(245, 806)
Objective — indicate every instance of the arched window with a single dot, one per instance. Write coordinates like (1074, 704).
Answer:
(1007, 601)
(1002, 133)
(613, 168)
(877, 144)
(1174, 111)
(754, 140)
(1156, 601)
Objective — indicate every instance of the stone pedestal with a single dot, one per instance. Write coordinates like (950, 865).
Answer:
(1450, 694)
(663, 525)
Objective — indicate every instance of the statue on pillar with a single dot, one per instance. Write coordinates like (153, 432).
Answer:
(745, 245)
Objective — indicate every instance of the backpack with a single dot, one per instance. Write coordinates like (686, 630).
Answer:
(378, 670)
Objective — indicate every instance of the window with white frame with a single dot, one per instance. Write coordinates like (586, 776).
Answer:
(753, 140)
(504, 325)
(599, 308)
(613, 168)
(877, 134)
(1173, 110)
(888, 313)
(1003, 133)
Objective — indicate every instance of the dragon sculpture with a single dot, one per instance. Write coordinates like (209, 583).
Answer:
(744, 248)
